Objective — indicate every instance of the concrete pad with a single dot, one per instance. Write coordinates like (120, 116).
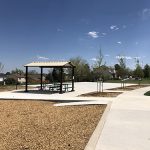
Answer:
(80, 88)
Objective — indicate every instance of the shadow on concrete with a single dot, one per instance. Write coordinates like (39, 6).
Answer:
(38, 92)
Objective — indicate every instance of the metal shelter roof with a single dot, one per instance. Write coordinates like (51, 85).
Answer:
(50, 64)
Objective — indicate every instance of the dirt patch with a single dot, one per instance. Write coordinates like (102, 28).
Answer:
(4, 88)
(102, 94)
(129, 88)
(34, 125)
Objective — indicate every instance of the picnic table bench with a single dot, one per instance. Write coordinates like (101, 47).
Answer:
(56, 87)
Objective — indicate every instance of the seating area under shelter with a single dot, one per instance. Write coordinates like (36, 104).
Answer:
(61, 86)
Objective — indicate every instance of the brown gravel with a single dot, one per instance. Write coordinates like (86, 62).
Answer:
(38, 125)
(129, 88)
(101, 94)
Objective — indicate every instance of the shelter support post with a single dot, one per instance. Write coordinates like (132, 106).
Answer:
(61, 79)
(41, 78)
(72, 79)
(26, 89)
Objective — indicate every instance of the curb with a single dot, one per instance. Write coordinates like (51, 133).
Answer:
(91, 145)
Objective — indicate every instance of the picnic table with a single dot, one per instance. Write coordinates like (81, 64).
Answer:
(56, 87)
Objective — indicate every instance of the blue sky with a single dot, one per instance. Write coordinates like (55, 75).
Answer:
(43, 30)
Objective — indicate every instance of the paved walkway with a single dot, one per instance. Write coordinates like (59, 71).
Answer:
(128, 123)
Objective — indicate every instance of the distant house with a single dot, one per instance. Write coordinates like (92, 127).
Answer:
(20, 78)
(113, 73)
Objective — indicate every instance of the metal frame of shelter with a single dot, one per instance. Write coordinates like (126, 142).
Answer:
(51, 64)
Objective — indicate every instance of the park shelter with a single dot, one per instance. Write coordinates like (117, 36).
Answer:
(51, 64)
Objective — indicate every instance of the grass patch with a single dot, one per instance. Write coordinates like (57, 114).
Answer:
(143, 81)
(129, 88)
(38, 125)
(147, 93)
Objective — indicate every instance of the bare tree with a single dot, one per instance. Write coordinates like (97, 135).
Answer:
(17, 71)
(1, 67)
(99, 60)
(100, 70)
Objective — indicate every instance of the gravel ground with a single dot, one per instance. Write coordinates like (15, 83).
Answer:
(38, 125)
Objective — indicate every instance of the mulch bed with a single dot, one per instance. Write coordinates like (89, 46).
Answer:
(38, 125)
(129, 88)
(102, 94)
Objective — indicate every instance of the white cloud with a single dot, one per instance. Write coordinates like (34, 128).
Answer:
(107, 55)
(104, 33)
(117, 28)
(128, 57)
(93, 34)
(124, 57)
(118, 57)
(146, 13)
(119, 42)
(93, 59)
(42, 58)
(114, 27)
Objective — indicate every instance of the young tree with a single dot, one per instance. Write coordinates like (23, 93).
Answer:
(100, 70)
(99, 60)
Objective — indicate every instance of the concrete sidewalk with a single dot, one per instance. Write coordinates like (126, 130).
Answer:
(127, 126)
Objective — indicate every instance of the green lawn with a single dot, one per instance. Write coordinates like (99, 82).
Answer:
(143, 81)
(147, 93)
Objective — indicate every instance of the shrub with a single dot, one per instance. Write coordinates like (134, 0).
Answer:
(10, 81)
(147, 93)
